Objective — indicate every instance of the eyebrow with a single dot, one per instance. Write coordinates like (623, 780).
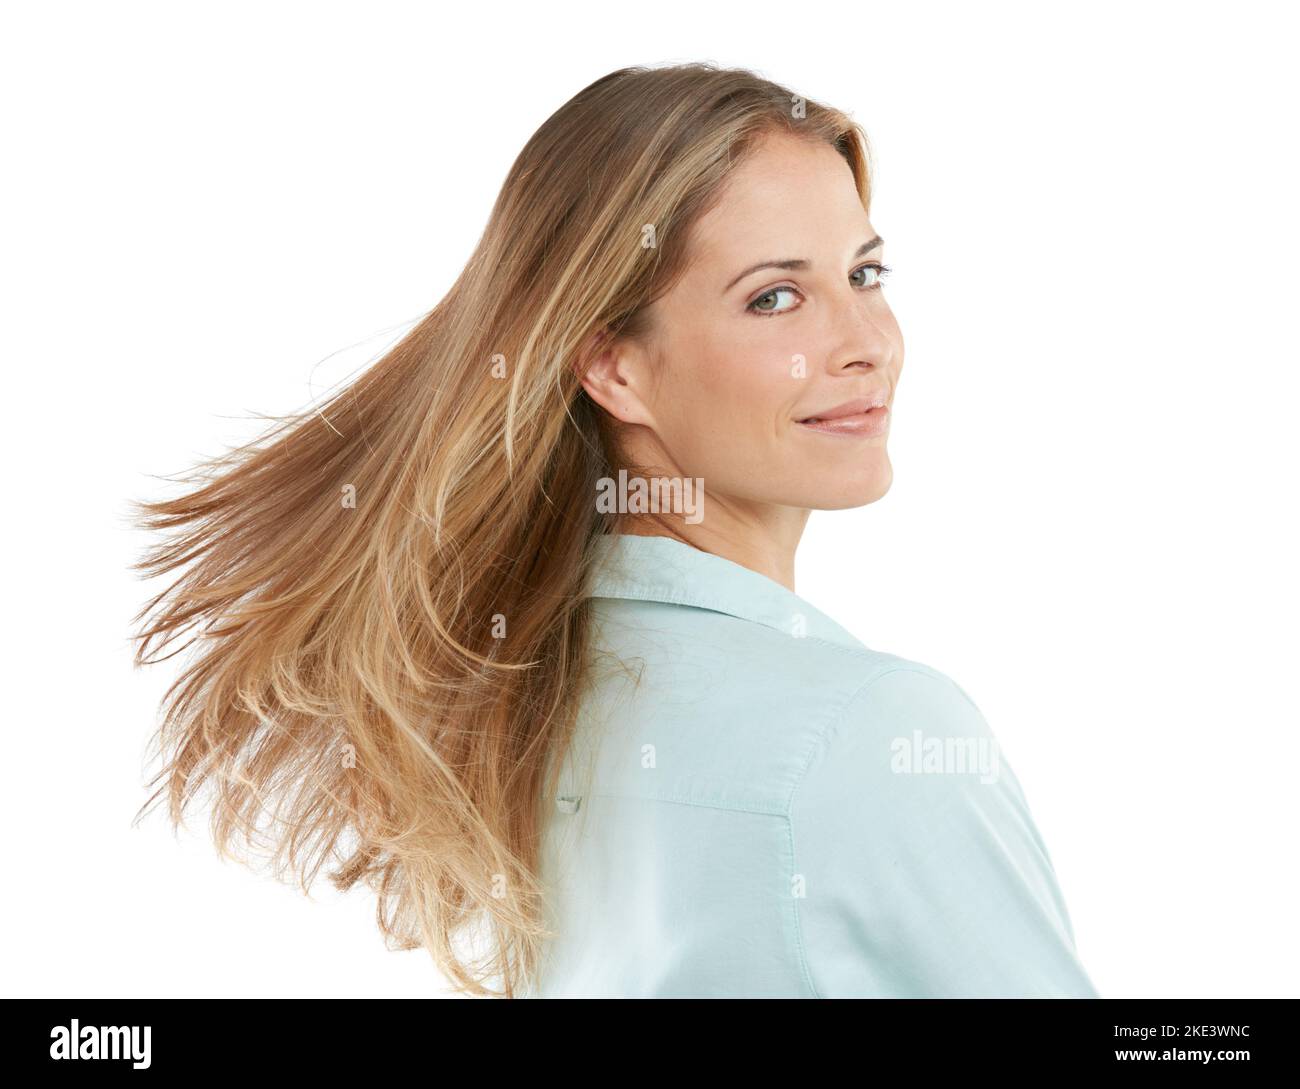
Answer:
(799, 262)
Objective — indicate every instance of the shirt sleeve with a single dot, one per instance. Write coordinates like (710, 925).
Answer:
(919, 871)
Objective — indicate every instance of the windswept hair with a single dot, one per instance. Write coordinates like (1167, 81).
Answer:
(384, 594)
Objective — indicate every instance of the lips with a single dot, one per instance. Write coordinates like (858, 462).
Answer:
(849, 408)
(862, 416)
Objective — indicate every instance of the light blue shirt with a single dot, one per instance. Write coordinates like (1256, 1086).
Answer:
(759, 805)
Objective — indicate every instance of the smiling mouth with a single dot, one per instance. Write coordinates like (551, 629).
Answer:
(849, 416)
(870, 421)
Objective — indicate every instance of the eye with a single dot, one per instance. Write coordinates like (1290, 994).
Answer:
(880, 270)
(767, 303)
(760, 304)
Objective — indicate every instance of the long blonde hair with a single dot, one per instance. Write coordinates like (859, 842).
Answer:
(385, 592)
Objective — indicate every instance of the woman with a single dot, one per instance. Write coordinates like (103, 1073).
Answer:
(579, 742)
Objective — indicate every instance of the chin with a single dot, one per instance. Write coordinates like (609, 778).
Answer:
(844, 495)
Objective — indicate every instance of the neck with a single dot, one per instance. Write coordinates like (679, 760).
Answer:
(764, 541)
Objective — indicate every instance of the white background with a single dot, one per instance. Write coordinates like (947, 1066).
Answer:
(217, 210)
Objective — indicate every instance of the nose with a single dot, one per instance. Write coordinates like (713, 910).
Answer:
(862, 333)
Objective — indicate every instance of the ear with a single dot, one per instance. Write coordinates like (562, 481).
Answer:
(616, 375)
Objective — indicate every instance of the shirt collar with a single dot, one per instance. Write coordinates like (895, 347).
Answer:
(664, 569)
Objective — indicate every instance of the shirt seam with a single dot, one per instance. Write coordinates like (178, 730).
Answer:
(818, 741)
(663, 597)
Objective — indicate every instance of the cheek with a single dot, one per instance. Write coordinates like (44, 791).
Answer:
(726, 401)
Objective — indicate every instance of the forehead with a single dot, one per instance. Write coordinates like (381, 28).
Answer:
(788, 194)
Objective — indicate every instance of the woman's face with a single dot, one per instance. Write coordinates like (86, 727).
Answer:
(743, 356)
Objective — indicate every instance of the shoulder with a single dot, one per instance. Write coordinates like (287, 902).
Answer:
(912, 773)
(738, 709)
(907, 738)
(924, 872)
(887, 698)
(895, 692)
